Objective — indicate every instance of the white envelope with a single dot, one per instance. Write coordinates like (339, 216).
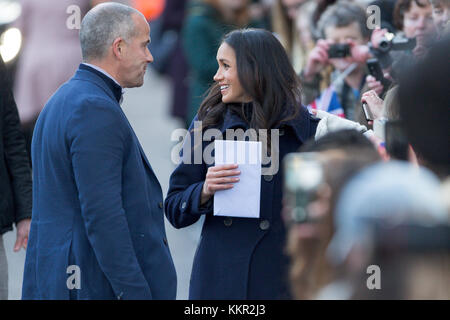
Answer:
(243, 199)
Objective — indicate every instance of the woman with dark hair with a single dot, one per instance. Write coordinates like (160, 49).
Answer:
(206, 22)
(255, 88)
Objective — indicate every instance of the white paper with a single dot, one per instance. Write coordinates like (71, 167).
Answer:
(244, 198)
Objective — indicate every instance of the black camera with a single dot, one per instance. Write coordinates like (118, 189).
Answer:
(374, 67)
(339, 50)
(391, 42)
(396, 43)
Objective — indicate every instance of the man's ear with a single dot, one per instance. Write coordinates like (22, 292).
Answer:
(117, 48)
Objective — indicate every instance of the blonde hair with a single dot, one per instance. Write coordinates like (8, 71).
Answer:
(289, 36)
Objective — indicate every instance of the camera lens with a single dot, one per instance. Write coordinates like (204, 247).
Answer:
(384, 45)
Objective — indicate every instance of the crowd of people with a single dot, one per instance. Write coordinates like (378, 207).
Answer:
(359, 208)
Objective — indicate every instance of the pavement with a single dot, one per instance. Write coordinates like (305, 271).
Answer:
(147, 109)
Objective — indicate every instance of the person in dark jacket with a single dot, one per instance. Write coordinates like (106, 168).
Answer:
(15, 177)
(98, 222)
(255, 88)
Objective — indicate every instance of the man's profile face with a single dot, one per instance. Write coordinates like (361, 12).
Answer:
(136, 55)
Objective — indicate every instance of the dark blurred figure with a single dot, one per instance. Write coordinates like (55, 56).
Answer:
(386, 13)
(424, 109)
(341, 154)
(167, 48)
(15, 177)
(261, 10)
(173, 19)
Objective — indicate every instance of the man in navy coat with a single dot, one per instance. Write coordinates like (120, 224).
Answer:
(97, 228)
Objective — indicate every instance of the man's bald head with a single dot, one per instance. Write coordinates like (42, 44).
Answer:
(102, 25)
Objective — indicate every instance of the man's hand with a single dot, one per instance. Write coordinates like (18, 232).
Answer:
(23, 230)
(318, 58)
(359, 52)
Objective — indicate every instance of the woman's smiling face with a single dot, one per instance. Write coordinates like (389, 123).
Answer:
(227, 76)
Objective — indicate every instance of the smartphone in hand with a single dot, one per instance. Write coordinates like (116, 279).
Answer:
(374, 67)
(367, 112)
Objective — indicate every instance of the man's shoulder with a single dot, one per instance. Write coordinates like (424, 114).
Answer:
(77, 90)
(77, 99)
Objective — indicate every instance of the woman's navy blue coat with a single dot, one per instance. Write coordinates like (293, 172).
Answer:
(237, 258)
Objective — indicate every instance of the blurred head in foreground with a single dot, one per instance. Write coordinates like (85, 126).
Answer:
(392, 241)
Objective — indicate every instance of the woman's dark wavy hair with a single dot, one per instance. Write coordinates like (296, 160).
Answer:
(265, 74)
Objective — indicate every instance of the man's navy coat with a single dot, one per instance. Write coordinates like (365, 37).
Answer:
(237, 258)
(97, 204)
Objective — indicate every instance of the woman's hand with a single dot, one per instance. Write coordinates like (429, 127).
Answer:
(219, 178)
(374, 85)
(374, 102)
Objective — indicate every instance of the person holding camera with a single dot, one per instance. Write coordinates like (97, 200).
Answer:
(344, 31)
(417, 33)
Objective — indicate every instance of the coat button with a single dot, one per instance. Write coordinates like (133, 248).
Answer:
(160, 205)
(165, 241)
(183, 205)
(268, 177)
(227, 222)
(264, 225)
